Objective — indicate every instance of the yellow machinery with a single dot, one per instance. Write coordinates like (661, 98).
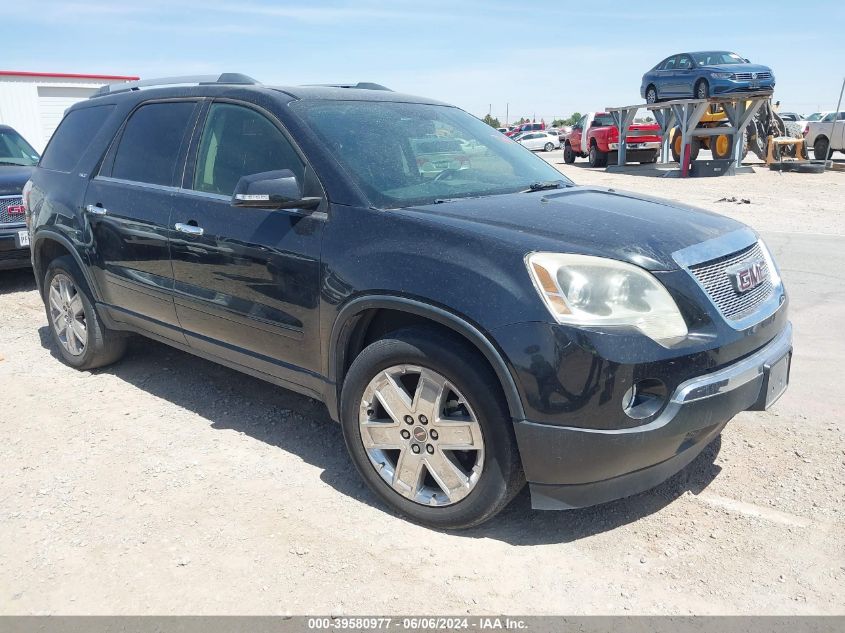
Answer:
(768, 136)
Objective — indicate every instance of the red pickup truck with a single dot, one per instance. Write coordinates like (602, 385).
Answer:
(595, 137)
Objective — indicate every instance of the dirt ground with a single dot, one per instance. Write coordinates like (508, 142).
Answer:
(167, 485)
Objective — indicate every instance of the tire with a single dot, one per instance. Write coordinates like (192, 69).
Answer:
(470, 381)
(597, 157)
(549, 147)
(651, 95)
(721, 146)
(821, 148)
(702, 89)
(67, 301)
(675, 147)
(568, 154)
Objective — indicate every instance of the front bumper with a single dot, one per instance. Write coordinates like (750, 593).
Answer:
(14, 253)
(572, 467)
(728, 86)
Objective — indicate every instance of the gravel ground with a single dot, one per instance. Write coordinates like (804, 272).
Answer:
(166, 484)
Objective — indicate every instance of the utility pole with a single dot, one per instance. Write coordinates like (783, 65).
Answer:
(829, 162)
(507, 113)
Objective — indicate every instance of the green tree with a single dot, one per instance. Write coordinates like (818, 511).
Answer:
(491, 121)
(573, 118)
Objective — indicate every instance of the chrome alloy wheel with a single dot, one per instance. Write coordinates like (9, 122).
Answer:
(67, 315)
(421, 435)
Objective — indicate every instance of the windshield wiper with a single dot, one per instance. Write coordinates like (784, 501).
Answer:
(542, 186)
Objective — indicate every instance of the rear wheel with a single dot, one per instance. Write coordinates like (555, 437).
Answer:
(651, 94)
(821, 148)
(427, 427)
(568, 154)
(81, 338)
(549, 147)
(597, 157)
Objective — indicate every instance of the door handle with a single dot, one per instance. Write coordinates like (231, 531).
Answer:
(93, 209)
(190, 229)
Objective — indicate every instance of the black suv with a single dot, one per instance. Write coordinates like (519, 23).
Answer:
(473, 321)
(16, 160)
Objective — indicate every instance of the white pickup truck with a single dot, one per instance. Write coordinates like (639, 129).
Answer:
(826, 136)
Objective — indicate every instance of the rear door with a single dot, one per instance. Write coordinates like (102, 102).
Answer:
(247, 279)
(129, 204)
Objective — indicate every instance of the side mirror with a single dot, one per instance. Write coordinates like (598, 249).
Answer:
(272, 190)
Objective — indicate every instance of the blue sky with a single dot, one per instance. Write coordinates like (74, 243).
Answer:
(543, 58)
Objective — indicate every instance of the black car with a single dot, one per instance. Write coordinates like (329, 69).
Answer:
(16, 160)
(470, 327)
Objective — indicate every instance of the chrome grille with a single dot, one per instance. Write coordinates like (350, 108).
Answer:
(5, 216)
(713, 276)
(748, 77)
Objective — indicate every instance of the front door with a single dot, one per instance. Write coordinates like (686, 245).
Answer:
(128, 205)
(247, 279)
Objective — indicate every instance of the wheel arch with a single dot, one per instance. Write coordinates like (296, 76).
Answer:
(349, 332)
(47, 245)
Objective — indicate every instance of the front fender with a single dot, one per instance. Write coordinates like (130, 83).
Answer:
(350, 312)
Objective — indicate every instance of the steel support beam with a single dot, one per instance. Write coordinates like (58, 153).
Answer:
(623, 118)
(740, 115)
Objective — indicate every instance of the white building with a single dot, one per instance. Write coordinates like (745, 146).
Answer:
(34, 103)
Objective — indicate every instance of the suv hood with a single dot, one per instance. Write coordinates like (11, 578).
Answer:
(12, 179)
(590, 221)
(738, 68)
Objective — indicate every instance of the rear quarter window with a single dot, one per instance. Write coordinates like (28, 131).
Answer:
(71, 138)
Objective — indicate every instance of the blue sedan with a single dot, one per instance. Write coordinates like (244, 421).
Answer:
(704, 74)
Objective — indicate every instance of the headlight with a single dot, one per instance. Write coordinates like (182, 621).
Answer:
(722, 75)
(594, 291)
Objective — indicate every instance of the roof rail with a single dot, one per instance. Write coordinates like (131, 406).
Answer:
(361, 85)
(223, 78)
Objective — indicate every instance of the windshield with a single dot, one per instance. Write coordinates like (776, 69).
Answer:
(403, 154)
(816, 116)
(717, 58)
(14, 150)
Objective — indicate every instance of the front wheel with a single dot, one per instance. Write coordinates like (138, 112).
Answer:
(81, 338)
(702, 90)
(568, 154)
(427, 427)
(549, 147)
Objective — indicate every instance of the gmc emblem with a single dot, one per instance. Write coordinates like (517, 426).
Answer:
(747, 275)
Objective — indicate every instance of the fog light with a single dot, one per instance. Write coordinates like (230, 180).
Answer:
(644, 398)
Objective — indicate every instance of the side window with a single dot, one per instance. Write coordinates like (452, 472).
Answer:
(238, 141)
(670, 64)
(684, 63)
(72, 137)
(149, 146)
